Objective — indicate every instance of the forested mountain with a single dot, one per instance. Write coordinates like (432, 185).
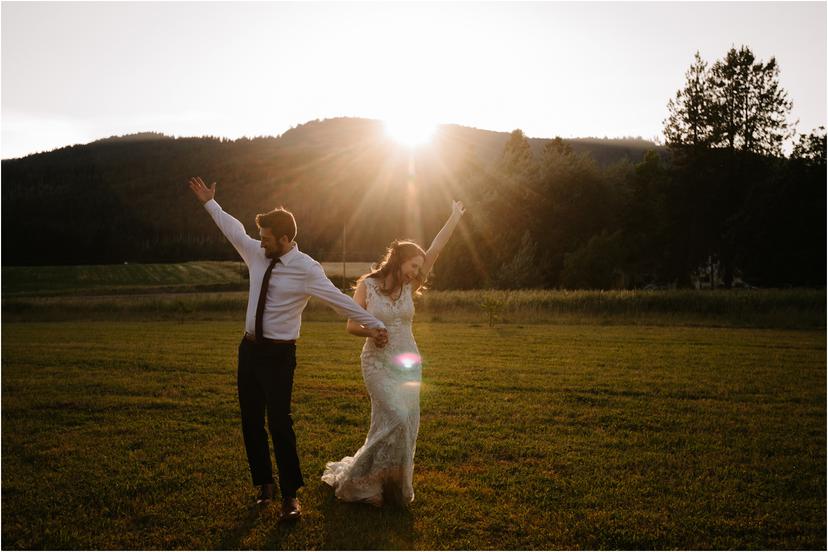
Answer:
(125, 199)
(586, 213)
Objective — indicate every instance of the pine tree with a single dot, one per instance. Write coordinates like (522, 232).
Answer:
(517, 160)
(749, 108)
(688, 122)
(737, 104)
(525, 269)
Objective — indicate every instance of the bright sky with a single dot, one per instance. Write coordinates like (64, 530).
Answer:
(76, 72)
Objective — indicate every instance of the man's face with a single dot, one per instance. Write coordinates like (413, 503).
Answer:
(273, 248)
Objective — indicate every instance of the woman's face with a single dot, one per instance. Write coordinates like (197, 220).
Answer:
(411, 268)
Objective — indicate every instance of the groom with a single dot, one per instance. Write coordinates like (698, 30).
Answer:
(282, 279)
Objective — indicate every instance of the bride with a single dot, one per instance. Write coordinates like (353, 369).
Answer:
(383, 468)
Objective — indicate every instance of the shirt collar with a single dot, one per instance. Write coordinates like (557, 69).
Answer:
(288, 257)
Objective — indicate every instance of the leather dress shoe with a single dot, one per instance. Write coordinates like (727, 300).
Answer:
(291, 510)
(265, 494)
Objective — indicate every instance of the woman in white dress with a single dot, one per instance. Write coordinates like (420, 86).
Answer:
(383, 468)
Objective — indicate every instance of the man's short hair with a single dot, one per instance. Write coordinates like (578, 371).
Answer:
(280, 221)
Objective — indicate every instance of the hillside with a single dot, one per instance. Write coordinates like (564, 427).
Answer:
(125, 199)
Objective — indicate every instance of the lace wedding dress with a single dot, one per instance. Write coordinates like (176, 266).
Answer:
(383, 468)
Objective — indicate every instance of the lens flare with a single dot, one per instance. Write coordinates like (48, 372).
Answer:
(407, 360)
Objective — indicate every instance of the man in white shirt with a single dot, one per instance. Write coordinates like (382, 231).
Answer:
(282, 279)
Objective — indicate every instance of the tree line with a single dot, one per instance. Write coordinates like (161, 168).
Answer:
(722, 206)
(722, 203)
(126, 199)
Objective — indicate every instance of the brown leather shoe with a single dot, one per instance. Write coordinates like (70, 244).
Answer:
(291, 510)
(265, 494)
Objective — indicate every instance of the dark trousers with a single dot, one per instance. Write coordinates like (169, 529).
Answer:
(265, 382)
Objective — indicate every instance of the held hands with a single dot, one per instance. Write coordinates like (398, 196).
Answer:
(201, 191)
(380, 337)
(457, 209)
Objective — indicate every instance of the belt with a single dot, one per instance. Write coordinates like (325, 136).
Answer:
(252, 339)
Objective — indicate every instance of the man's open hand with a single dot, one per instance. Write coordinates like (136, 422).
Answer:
(201, 191)
(380, 337)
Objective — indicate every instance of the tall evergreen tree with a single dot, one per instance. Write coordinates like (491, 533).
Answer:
(688, 120)
(735, 113)
(749, 109)
(526, 269)
(573, 202)
(517, 160)
(507, 208)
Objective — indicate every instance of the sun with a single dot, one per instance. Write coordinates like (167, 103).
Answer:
(409, 131)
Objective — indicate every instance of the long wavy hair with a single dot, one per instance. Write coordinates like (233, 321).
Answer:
(397, 253)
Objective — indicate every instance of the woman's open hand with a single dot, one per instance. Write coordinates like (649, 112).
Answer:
(457, 208)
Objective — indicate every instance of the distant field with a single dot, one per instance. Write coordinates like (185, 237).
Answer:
(753, 308)
(141, 278)
(210, 290)
(125, 435)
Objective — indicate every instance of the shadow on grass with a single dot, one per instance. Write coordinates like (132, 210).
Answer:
(354, 526)
(247, 521)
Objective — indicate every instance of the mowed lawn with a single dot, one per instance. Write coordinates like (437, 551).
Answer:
(127, 435)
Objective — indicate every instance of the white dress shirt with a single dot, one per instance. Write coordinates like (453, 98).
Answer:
(293, 281)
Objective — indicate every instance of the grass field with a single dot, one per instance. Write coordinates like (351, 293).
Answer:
(211, 290)
(126, 435)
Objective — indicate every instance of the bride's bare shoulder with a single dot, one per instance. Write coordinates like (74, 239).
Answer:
(370, 284)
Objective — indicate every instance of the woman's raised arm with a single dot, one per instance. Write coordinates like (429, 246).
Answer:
(442, 237)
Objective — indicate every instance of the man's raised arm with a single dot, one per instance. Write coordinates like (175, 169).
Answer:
(232, 229)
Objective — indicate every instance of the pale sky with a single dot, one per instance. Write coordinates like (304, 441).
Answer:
(75, 72)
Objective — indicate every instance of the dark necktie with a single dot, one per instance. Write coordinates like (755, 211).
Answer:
(262, 298)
